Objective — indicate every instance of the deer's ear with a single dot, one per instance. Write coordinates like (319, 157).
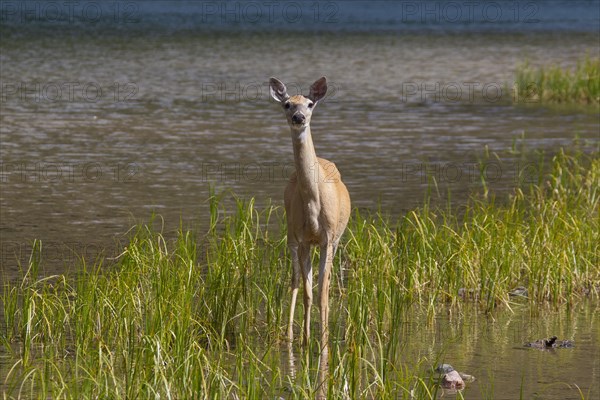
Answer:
(318, 89)
(278, 90)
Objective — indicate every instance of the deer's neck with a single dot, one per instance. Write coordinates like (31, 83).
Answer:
(307, 166)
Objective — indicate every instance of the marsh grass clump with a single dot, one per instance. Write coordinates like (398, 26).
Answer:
(544, 237)
(159, 322)
(557, 85)
(203, 315)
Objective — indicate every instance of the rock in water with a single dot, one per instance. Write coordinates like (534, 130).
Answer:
(466, 377)
(551, 343)
(452, 380)
(444, 368)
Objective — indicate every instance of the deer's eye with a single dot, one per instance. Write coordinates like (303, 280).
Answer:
(287, 105)
(311, 104)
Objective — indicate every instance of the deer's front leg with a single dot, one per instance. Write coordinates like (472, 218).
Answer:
(306, 267)
(295, 285)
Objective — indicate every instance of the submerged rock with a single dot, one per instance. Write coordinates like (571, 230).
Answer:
(466, 377)
(566, 343)
(444, 368)
(519, 291)
(452, 380)
(551, 343)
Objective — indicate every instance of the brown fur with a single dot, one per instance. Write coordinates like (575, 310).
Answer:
(335, 207)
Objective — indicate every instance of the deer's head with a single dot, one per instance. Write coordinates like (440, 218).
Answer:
(298, 109)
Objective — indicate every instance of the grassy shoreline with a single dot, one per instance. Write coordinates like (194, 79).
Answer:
(556, 85)
(204, 317)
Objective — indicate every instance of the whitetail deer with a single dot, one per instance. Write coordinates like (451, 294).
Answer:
(317, 205)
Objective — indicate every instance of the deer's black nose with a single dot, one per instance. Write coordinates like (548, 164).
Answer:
(298, 118)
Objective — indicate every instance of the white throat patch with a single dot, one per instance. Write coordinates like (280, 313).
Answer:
(303, 134)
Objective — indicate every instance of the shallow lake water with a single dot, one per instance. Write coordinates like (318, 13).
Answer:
(491, 349)
(110, 113)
